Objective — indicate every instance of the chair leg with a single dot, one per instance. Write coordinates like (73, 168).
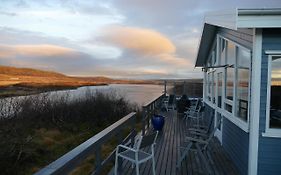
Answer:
(207, 166)
(153, 166)
(137, 169)
(116, 165)
(184, 154)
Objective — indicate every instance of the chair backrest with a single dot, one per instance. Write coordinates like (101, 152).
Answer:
(197, 104)
(211, 135)
(148, 140)
(171, 99)
(210, 124)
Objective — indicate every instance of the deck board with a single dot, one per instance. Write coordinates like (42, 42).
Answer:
(167, 153)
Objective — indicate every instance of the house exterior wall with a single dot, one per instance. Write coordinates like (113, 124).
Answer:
(234, 139)
(269, 156)
(236, 144)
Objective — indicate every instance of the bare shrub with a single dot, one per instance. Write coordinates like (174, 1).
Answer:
(22, 118)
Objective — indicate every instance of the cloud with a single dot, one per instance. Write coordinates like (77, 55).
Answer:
(7, 13)
(143, 46)
(42, 50)
(140, 40)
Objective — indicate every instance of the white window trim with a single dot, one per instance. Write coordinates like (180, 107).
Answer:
(244, 125)
(270, 132)
(235, 120)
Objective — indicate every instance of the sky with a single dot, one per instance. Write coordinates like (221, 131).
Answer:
(134, 39)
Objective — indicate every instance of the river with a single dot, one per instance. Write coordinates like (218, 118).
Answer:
(135, 93)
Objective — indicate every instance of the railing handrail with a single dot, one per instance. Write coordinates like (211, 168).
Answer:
(153, 100)
(65, 163)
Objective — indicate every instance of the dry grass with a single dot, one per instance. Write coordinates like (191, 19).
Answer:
(41, 129)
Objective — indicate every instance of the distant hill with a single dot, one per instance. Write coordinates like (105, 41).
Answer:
(23, 81)
(28, 72)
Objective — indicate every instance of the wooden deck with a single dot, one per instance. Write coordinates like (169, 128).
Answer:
(168, 143)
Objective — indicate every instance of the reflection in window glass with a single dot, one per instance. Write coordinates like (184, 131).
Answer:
(223, 51)
(229, 83)
(209, 86)
(244, 58)
(219, 89)
(230, 70)
(228, 107)
(213, 88)
(215, 56)
(243, 78)
(275, 96)
(242, 93)
(230, 53)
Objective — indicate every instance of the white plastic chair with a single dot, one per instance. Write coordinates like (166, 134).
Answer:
(137, 155)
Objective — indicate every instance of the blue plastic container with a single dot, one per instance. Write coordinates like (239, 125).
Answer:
(158, 122)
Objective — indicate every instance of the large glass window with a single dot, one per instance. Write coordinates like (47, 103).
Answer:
(214, 87)
(219, 89)
(229, 83)
(231, 49)
(209, 85)
(275, 95)
(222, 51)
(243, 78)
(229, 80)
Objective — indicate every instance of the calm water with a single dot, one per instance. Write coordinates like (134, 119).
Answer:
(139, 94)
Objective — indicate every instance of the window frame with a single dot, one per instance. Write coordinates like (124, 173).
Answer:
(250, 84)
(270, 132)
(244, 125)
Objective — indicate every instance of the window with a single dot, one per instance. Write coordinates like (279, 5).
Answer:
(230, 70)
(230, 60)
(275, 93)
(219, 89)
(243, 78)
(228, 82)
(210, 79)
(213, 87)
(222, 51)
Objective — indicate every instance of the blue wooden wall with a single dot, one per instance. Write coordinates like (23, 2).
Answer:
(235, 142)
(269, 157)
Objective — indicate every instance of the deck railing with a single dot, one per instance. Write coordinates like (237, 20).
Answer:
(93, 146)
(148, 110)
(71, 160)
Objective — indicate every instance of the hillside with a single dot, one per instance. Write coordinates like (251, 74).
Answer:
(6, 70)
(24, 81)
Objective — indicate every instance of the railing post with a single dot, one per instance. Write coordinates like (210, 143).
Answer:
(98, 159)
(143, 119)
(133, 130)
(119, 140)
(148, 116)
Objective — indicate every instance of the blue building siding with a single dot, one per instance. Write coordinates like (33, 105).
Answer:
(269, 148)
(236, 144)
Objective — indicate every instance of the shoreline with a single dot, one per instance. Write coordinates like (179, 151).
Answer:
(14, 91)
(25, 90)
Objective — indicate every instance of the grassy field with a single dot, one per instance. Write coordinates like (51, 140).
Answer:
(35, 131)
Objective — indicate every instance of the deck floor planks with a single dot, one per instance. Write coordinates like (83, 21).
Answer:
(166, 153)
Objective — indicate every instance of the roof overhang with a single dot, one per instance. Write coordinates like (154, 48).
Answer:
(208, 34)
(234, 19)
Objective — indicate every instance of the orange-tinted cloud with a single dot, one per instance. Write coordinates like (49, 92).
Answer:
(42, 50)
(142, 41)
